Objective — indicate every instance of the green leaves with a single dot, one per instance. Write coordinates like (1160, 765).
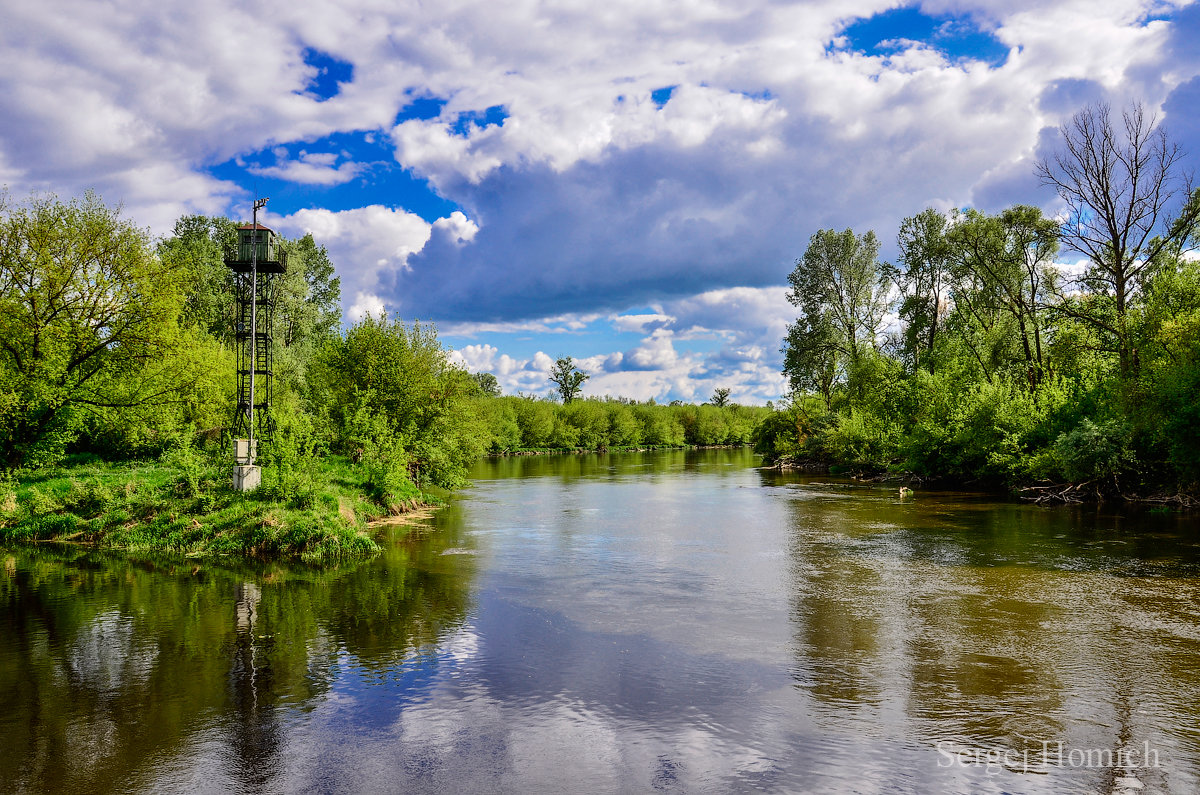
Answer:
(85, 309)
(840, 290)
(567, 378)
(487, 383)
(386, 377)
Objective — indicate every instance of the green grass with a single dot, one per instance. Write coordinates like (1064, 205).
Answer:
(185, 504)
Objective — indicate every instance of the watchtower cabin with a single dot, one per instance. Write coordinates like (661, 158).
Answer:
(256, 243)
(255, 259)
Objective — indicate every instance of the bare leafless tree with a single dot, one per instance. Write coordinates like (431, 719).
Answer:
(1128, 202)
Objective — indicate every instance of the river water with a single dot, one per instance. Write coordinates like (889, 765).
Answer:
(670, 621)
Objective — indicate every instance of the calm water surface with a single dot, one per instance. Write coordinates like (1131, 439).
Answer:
(678, 622)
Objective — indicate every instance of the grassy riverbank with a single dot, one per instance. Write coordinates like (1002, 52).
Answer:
(184, 504)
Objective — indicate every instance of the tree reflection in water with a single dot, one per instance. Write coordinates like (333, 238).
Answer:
(114, 670)
(991, 626)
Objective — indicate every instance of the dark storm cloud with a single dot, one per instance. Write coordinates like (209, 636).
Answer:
(648, 224)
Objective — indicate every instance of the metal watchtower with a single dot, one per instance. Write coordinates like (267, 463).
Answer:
(255, 259)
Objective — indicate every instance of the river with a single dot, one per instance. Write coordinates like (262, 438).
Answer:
(670, 621)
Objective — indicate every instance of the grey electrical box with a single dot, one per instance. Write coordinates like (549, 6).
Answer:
(245, 450)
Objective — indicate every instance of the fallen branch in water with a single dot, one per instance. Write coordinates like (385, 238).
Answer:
(789, 463)
(1178, 500)
(1075, 493)
(906, 478)
(1064, 493)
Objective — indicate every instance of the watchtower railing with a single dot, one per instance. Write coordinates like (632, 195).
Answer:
(272, 257)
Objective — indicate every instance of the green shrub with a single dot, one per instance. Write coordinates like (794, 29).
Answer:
(81, 460)
(382, 368)
(565, 435)
(499, 418)
(190, 469)
(590, 421)
(52, 525)
(660, 426)
(1094, 451)
(776, 436)
(861, 440)
(624, 430)
(294, 458)
(535, 419)
(1173, 413)
(8, 494)
(41, 503)
(703, 425)
(384, 465)
(89, 498)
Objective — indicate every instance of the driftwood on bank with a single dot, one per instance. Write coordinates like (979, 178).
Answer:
(906, 478)
(815, 466)
(810, 465)
(1178, 500)
(1048, 494)
(1061, 493)
(1091, 491)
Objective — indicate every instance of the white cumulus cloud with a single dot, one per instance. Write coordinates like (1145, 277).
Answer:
(311, 168)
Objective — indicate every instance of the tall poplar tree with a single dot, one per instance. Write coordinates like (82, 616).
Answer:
(840, 290)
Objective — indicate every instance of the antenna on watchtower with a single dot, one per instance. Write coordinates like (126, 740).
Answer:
(255, 259)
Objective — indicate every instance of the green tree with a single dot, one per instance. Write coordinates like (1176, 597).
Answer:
(923, 285)
(309, 298)
(307, 311)
(1001, 266)
(1168, 340)
(87, 322)
(194, 381)
(387, 379)
(324, 287)
(812, 360)
(840, 289)
(567, 378)
(487, 383)
(308, 295)
(720, 397)
(196, 252)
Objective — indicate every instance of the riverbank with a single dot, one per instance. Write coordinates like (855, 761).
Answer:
(1038, 492)
(185, 505)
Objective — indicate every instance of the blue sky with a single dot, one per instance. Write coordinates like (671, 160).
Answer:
(627, 184)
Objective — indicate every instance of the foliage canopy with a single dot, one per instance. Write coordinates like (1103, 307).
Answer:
(88, 324)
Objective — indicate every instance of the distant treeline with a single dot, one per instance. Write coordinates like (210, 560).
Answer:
(522, 423)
